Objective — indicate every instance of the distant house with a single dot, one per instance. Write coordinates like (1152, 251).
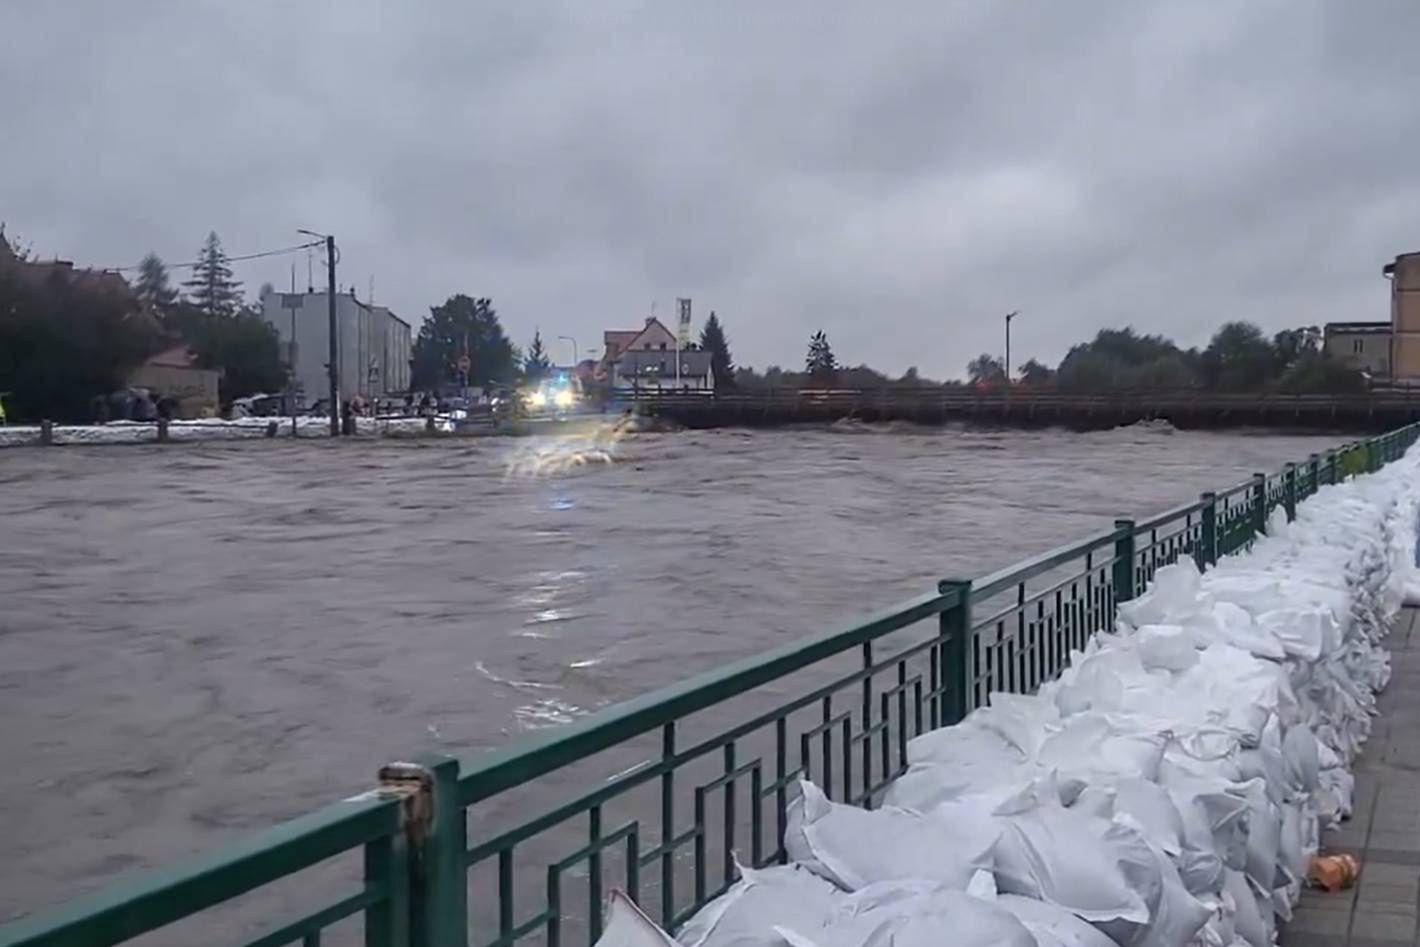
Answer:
(645, 358)
(173, 373)
(38, 272)
(1360, 345)
(655, 370)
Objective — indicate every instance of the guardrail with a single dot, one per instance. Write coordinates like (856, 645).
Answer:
(1021, 405)
(659, 794)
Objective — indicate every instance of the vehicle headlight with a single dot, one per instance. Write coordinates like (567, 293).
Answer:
(537, 399)
(563, 398)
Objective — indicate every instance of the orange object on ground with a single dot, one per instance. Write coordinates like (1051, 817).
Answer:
(1334, 872)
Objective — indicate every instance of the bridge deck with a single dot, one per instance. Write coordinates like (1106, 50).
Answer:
(1381, 910)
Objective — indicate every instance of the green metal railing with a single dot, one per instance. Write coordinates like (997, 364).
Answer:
(522, 844)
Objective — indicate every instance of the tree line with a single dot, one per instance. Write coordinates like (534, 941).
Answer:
(1239, 358)
(68, 337)
(465, 331)
(65, 339)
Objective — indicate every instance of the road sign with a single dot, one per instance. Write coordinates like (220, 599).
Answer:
(684, 328)
(293, 300)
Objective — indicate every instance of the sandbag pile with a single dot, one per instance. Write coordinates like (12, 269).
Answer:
(1167, 790)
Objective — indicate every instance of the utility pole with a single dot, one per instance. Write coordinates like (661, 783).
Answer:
(334, 366)
(334, 348)
(1009, 316)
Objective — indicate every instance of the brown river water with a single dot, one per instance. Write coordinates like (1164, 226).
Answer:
(197, 641)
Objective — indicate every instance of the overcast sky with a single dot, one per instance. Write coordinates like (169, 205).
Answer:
(899, 175)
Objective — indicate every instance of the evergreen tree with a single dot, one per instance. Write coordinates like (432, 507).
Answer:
(212, 287)
(151, 287)
(712, 340)
(462, 325)
(820, 362)
(536, 365)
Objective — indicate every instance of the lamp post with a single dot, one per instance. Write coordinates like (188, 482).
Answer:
(1009, 316)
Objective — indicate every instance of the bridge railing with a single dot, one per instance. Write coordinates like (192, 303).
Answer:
(660, 795)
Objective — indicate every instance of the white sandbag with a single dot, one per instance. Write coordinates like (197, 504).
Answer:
(962, 745)
(628, 926)
(1253, 923)
(1066, 858)
(1167, 647)
(1176, 915)
(1302, 758)
(1201, 871)
(1174, 594)
(1305, 633)
(1020, 719)
(1089, 745)
(914, 914)
(1150, 808)
(745, 915)
(1058, 923)
(1263, 837)
(855, 847)
(1230, 624)
(1214, 820)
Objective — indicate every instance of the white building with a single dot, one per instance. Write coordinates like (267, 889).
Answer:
(372, 341)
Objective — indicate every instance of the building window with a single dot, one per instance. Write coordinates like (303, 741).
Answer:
(663, 346)
(1358, 346)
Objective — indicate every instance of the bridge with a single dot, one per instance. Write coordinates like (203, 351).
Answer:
(1375, 411)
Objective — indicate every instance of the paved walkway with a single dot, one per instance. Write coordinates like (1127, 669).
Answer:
(1384, 832)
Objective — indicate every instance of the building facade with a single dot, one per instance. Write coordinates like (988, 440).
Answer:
(373, 344)
(1404, 276)
(1360, 345)
(655, 370)
(173, 373)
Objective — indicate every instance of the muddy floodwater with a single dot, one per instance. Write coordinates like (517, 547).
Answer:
(200, 640)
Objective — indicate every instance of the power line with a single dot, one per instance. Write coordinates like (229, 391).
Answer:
(228, 259)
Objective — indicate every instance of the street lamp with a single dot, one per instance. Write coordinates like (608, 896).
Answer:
(575, 357)
(1009, 316)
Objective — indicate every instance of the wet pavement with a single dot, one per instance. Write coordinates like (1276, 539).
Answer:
(1384, 829)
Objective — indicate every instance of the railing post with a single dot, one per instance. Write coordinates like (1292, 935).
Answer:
(438, 889)
(957, 652)
(1207, 552)
(1372, 456)
(1259, 504)
(1313, 473)
(1123, 560)
(1289, 491)
(1331, 465)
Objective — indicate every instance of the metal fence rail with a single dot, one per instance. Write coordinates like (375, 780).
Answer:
(659, 795)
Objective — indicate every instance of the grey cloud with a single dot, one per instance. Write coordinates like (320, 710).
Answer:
(899, 176)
